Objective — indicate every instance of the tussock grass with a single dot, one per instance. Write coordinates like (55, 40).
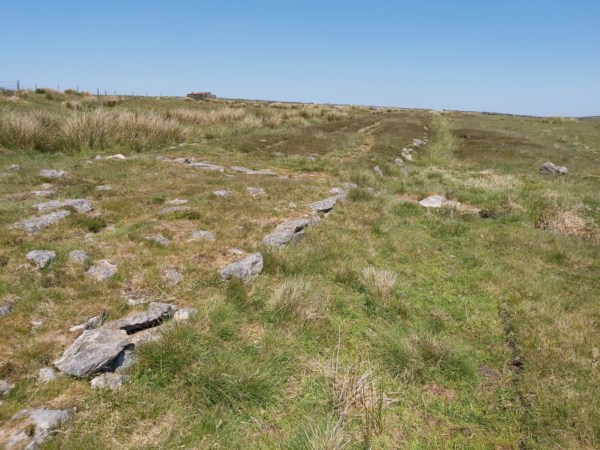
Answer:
(379, 282)
(440, 152)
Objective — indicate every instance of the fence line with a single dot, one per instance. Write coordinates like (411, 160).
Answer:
(10, 85)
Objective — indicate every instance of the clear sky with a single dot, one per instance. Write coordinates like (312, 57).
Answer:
(524, 57)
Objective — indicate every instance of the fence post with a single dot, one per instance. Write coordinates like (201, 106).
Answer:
(18, 86)
(98, 92)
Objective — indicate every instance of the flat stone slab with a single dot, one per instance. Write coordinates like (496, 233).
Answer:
(294, 225)
(184, 314)
(202, 235)
(350, 185)
(79, 256)
(34, 224)
(221, 193)
(174, 209)
(177, 202)
(266, 172)
(91, 324)
(172, 277)
(35, 427)
(324, 205)
(46, 375)
(158, 238)
(552, 169)
(435, 201)
(92, 351)
(256, 192)
(14, 167)
(81, 205)
(41, 258)
(103, 270)
(110, 381)
(52, 173)
(103, 188)
(206, 165)
(155, 315)
(43, 193)
(246, 269)
(279, 238)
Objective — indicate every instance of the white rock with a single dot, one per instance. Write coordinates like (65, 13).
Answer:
(184, 314)
(221, 193)
(103, 188)
(110, 381)
(172, 277)
(177, 202)
(52, 173)
(41, 258)
(14, 167)
(324, 205)
(378, 171)
(46, 374)
(43, 193)
(435, 201)
(246, 269)
(103, 270)
(117, 156)
(202, 235)
(36, 224)
(79, 256)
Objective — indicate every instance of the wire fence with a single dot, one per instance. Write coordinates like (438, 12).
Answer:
(9, 85)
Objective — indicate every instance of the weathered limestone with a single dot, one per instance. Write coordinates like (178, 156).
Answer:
(172, 277)
(202, 235)
(103, 270)
(378, 171)
(434, 201)
(174, 209)
(91, 324)
(92, 351)
(246, 269)
(52, 173)
(552, 169)
(266, 172)
(79, 256)
(155, 315)
(32, 428)
(34, 224)
(81, 205)
(177, 202)
(184, 314)
(224, 194)
(46, 375)
(256, 192)
(6, 387)
(158, 238)
(14, 167)
(103, 188)
(324, 205)
(110, 381)
(206, 165)
(43, 193)
(399, 161)
(41, 258)
(6, 307)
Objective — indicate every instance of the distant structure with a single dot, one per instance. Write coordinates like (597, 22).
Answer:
(201, 95)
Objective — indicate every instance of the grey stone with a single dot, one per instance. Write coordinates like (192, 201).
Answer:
(91, 324)
(202, 235)
(434, 201)
(36, 224)
(254, 172)
(314, 220)
(6, 387)
(311, 158)
(43, 193)
(41, 258)
(235, 251)
(172, 277)
(378, 171)
(294, 225)
(6, 307)
(125, 360)
(79, 256)
(278, 154)
(184, 314)
(134, 298)
(279, 238)
(52, 173)
(14, 167)
(110, 381)
(158, 238)
(256, 191)
(407, 156)
(418, 142)
(81, 205)
(46, 375)
(399, 161)
(336, 191)
(221, 193)
(92, 351)
(206, 165)
(155, 315)
(350, 185)
(5, 175)
(147, 335)
(552, 169)
(297, 237)
(426, 128)
(103, 188)
(177, 202)
(174, 209)
(404, 171)
(103, 270)
(324, 205)
(246, 269)
(36, 427)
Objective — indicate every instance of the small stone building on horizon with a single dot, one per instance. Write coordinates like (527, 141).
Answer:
(201, 95)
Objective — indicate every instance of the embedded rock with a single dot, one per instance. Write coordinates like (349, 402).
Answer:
(235, 251)
(314, 219)
(202, 235)
(81, 205)
(7, 307)
(278, 154)
(418, 142)
(41, 258)
(117, 156)
(103, 270)
(174, 209)
(91, 324)
(46, 375)
(221, 193)
(110, 381)
(172, 277)
(79, 256)
(206, 165)
(34, 427)
(295, 225)
(6, 387)
(36, 224)
(103, 188)
(158, 238)
(155, 315)
(246, 269)
(435, 201)
(92, 351)
(177, 202)
(337, 191)
(378, 171)
(253, 172)
(350, 185)
(14, 167)
(256, 192)
(43, 193)
(184, 314)
(407, 157)
(399, 161)
(324, 205)
(279, 238)
(52, 173)
(552, 169)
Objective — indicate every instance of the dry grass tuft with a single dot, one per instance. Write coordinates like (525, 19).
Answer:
(569, 221)
(331, 436)
(379, 282)
(295, 299)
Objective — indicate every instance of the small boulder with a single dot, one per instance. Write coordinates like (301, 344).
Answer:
(256, 192)
(206, 165)
(6, 387)
(41, 258)
(336, 191)
(434, 201)
(378, 171)
(32, 428)
(177, 202)
(174, 209)
(46, 375)
(91, 324)
(221, 193)
(81, 205)
(43, 193)
(110, 381)
(350, 185)
(158, 238)
(246, 269)
(34, 225)
(79, 256)
(52, 173)
(14, 167)
(155, 315)
(202, 235)
(92, 351)
(172, 277)
(552, 169)
(103, 188)
(324, 205)
(117, 156)
(399, 161)
(184, 314)
(102, 271)
(407, 156)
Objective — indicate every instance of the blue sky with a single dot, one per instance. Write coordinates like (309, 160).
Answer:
(523, 57)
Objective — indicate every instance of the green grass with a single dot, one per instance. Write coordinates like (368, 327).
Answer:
(449, 328)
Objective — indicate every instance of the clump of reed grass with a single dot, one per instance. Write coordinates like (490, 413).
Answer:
(379, 282)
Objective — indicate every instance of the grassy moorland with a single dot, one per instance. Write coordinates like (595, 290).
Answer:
(389, 326)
